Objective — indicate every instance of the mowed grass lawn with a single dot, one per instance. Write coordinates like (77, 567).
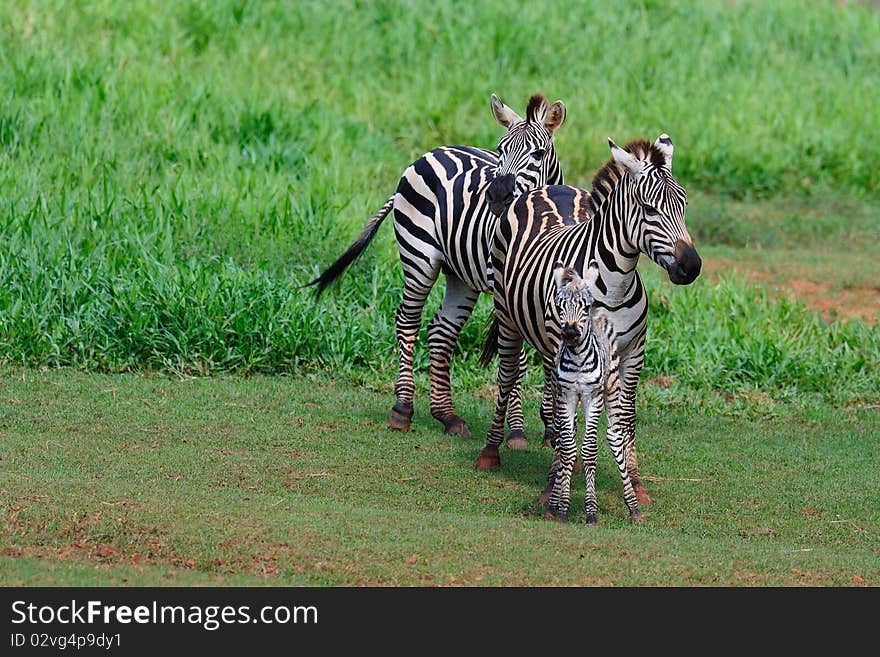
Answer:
(144, 479)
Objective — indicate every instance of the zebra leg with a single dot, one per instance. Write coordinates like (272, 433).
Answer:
(566, 449)
(548, 402)
(517, 439)
(629, 381)
(589, 451)
(443, 332)
(417, 285)
(510, 345)
(613, 408)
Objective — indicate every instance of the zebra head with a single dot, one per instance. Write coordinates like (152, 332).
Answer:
(526, 157)
(573, 301)
(658, 203)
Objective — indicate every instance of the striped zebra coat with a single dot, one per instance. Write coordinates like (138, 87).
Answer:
(635, 206)
(585, 374)
(445, 211)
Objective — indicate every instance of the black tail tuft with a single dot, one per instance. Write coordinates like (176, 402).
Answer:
(351, 254)
(490, 342)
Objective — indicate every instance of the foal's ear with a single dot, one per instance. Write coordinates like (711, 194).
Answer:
(592, 275)
(589, 280)
(505, 116)
(563, 275)
(626, 159)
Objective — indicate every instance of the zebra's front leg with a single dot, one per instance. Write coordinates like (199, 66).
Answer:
(629, 370)
(509, 347)
(443, 332)
(566, 449)
(589, 451)
(628, 432)
(613, 408)
(516, 438)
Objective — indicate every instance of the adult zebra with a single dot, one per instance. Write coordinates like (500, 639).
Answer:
(637, 206)
(445, 210)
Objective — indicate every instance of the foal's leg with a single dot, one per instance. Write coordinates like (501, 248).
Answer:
(589, 450)
(566, 450)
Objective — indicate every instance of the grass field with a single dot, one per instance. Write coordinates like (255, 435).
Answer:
(176, 410)
(133, 479)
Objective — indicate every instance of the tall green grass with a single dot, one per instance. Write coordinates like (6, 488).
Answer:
(171, 173)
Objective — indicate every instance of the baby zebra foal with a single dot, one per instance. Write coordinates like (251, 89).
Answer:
(587, 373)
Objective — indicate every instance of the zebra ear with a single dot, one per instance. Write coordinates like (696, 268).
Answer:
(555, 116)
(563, 275)
(664, 145)
(626, 159)
(505, 116)
(592, 274)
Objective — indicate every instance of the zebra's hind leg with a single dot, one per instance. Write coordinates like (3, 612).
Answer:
(509, 347)
(517, 439)
(443, 332)
(417, 286)
(548, 402)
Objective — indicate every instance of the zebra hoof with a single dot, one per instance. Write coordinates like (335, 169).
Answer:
(562, 516)
(549, 515)
(455, 426)
(548, 438)
(517, 440)
(577, 467)
(635, 516)
(642, 494)
(489, 459)
(591, 519)
(544, 498)
(401, 417)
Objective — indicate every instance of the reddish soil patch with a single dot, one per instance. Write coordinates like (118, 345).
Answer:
(860, 301)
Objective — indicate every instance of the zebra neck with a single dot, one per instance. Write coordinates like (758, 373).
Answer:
(617, 265)
(553, 173)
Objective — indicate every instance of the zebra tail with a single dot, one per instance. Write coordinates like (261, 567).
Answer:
(490, 343)
(335, 270)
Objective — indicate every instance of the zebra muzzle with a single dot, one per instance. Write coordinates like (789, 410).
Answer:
(500, 194)
(686, 266)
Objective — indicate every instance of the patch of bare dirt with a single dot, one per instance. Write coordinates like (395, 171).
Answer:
(814, 286)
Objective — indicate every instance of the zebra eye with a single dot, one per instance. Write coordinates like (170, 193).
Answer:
(538, 154)
(649, 209)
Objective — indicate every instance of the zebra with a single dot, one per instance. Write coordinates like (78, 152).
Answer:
(446, 207)
(585, 373)
(635, 206)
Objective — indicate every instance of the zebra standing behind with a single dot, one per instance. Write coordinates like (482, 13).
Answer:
(586, 375)
(635, 206)
(445, 211)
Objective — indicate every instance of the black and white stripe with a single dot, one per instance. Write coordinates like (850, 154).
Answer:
(636, 206)
(445, 212)
(585, 374)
